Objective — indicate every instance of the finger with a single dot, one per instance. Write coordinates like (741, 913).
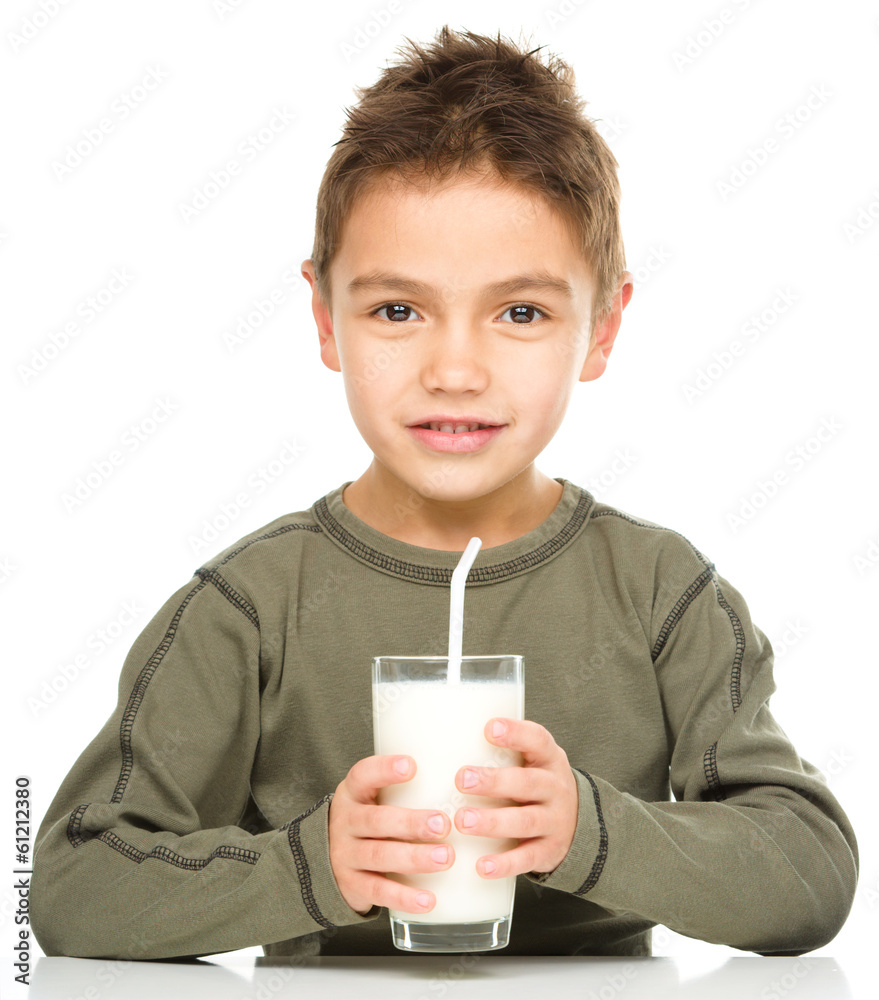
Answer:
(526, 857)
(395, 856)
(370, 774)
(533, 741)
(383, 891)
(398, 822)
(521, 784)
(517, 822)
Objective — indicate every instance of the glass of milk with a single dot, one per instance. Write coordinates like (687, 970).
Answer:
(417, 711)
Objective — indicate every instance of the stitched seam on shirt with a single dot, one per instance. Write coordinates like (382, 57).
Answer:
(601, 857)
(709, 759)
(735, 680)
(655, 527)
(709, 765)
(677, 612)
(443, 575)
(139, 690)
(269, 534)
(160, 852)
(302, 869)
(73, 825)
(687, 597)
(231, 595)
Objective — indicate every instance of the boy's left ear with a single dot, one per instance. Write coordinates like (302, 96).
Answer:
(606, 331)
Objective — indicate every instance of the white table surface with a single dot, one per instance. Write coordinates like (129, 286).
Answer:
(450, 977)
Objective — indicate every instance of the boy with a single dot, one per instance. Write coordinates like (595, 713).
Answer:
(468, 271)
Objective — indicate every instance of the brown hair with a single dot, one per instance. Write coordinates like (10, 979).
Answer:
(470, 102)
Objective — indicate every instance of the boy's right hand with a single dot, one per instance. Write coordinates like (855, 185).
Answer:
(360, 850)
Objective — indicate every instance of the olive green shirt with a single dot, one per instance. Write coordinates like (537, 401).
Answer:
(196, 821)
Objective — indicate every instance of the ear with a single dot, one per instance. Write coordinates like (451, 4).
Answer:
(328, 351)
(605, 333)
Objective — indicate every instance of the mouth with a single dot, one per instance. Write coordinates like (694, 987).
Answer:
(456, 437)
(455, 425)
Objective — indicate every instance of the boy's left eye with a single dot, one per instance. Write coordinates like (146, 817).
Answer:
(523, 314)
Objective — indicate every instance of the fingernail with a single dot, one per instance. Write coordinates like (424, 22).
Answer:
(436, 824)
(423, 899)
(440, 855)
(469, 818)
(401, 766)
(489, 867)
(498, 729)
(469, 779)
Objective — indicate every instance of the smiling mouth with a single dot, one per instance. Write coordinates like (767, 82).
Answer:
(437, 438)
(449, 428)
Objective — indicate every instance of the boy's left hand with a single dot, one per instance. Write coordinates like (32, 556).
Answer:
(545, 822)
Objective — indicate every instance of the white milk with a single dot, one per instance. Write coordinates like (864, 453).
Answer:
(441, 727)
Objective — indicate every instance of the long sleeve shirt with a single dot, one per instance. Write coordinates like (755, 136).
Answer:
(196, 820)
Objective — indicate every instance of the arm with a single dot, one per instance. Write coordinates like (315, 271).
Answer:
(141, 853)
(756, 853)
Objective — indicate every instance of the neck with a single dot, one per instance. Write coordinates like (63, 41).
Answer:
(499, 516)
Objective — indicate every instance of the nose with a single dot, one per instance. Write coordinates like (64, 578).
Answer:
(455, 360)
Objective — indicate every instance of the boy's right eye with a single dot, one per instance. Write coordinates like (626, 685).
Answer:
(393, 317)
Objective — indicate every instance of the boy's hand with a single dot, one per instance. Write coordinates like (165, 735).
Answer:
(544, 822)
(360, 850)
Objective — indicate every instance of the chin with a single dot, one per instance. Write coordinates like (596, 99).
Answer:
(459, 490)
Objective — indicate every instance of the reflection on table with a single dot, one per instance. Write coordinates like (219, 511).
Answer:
(454, 976)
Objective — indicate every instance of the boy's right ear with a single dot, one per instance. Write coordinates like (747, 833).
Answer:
(328, 351)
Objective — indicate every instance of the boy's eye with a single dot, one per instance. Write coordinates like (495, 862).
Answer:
(524, 313)
(394, 312)
(396, 315)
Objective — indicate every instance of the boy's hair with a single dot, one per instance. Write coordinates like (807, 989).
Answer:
(468, 102)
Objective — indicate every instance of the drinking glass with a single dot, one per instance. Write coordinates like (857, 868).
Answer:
(417, 712)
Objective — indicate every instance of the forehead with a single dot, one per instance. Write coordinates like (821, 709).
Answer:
(484, 192)
(466, 224)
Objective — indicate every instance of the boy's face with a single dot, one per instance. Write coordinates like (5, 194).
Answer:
(454, 345)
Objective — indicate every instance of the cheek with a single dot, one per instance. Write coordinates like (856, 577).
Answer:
(547, 389)
(555, 412)
(374, 387)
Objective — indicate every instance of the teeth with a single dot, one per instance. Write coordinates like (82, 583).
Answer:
(453, 428)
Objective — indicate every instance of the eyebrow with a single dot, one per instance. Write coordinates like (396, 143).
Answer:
(541, 280)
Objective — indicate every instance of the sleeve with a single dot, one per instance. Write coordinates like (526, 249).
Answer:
(142, 853)
(755, 853)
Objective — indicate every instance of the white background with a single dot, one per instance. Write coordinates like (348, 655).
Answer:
(682, 109)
